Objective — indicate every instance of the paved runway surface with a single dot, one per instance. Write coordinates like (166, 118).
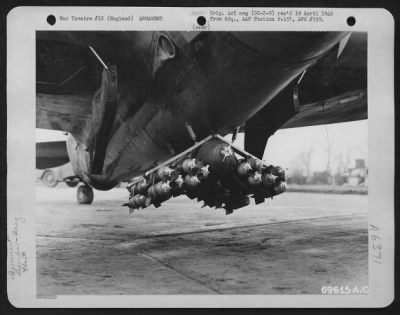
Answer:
(293, 244)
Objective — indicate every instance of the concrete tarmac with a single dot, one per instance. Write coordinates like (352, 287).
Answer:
(293, 244)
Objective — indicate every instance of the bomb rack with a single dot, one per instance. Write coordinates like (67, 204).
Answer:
(214, 171)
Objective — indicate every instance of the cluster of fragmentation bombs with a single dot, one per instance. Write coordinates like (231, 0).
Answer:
(212, 174)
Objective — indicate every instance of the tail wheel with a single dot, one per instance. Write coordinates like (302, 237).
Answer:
(49, 178)
(84, 195)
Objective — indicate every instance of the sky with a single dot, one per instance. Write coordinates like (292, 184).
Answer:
(347, 140)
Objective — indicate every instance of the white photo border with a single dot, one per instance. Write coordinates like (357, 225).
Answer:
(22, 24)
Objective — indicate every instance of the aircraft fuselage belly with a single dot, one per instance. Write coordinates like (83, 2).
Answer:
(216, 82)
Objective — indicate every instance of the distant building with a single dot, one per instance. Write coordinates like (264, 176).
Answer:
(359, 174)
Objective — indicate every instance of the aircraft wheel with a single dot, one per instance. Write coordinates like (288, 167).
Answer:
(49, 178)
(84, 195)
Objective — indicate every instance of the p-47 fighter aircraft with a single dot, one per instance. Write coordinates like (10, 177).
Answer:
(152, 108)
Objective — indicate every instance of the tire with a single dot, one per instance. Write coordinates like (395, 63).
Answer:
(71, 183)
(84, 195)
(49, 178)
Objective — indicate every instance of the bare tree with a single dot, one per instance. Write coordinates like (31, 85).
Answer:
(305, 159)
(343, 164)
(329, 158)
(328, 167)
(342, 168)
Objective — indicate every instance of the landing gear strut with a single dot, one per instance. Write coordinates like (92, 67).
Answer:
(72, 181)
(84, 195)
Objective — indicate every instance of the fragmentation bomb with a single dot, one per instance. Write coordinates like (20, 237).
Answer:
(212, 174)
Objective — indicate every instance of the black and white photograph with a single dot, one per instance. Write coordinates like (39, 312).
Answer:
(202, 162)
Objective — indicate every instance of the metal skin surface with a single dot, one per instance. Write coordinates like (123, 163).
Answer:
(214, 81)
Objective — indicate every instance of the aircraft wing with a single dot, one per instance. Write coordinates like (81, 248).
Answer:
(66, 80)
(335, 89)
(62, 112)
(69, 74)
(349, 106)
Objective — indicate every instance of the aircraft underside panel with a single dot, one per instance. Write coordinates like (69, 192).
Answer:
(349, 106)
